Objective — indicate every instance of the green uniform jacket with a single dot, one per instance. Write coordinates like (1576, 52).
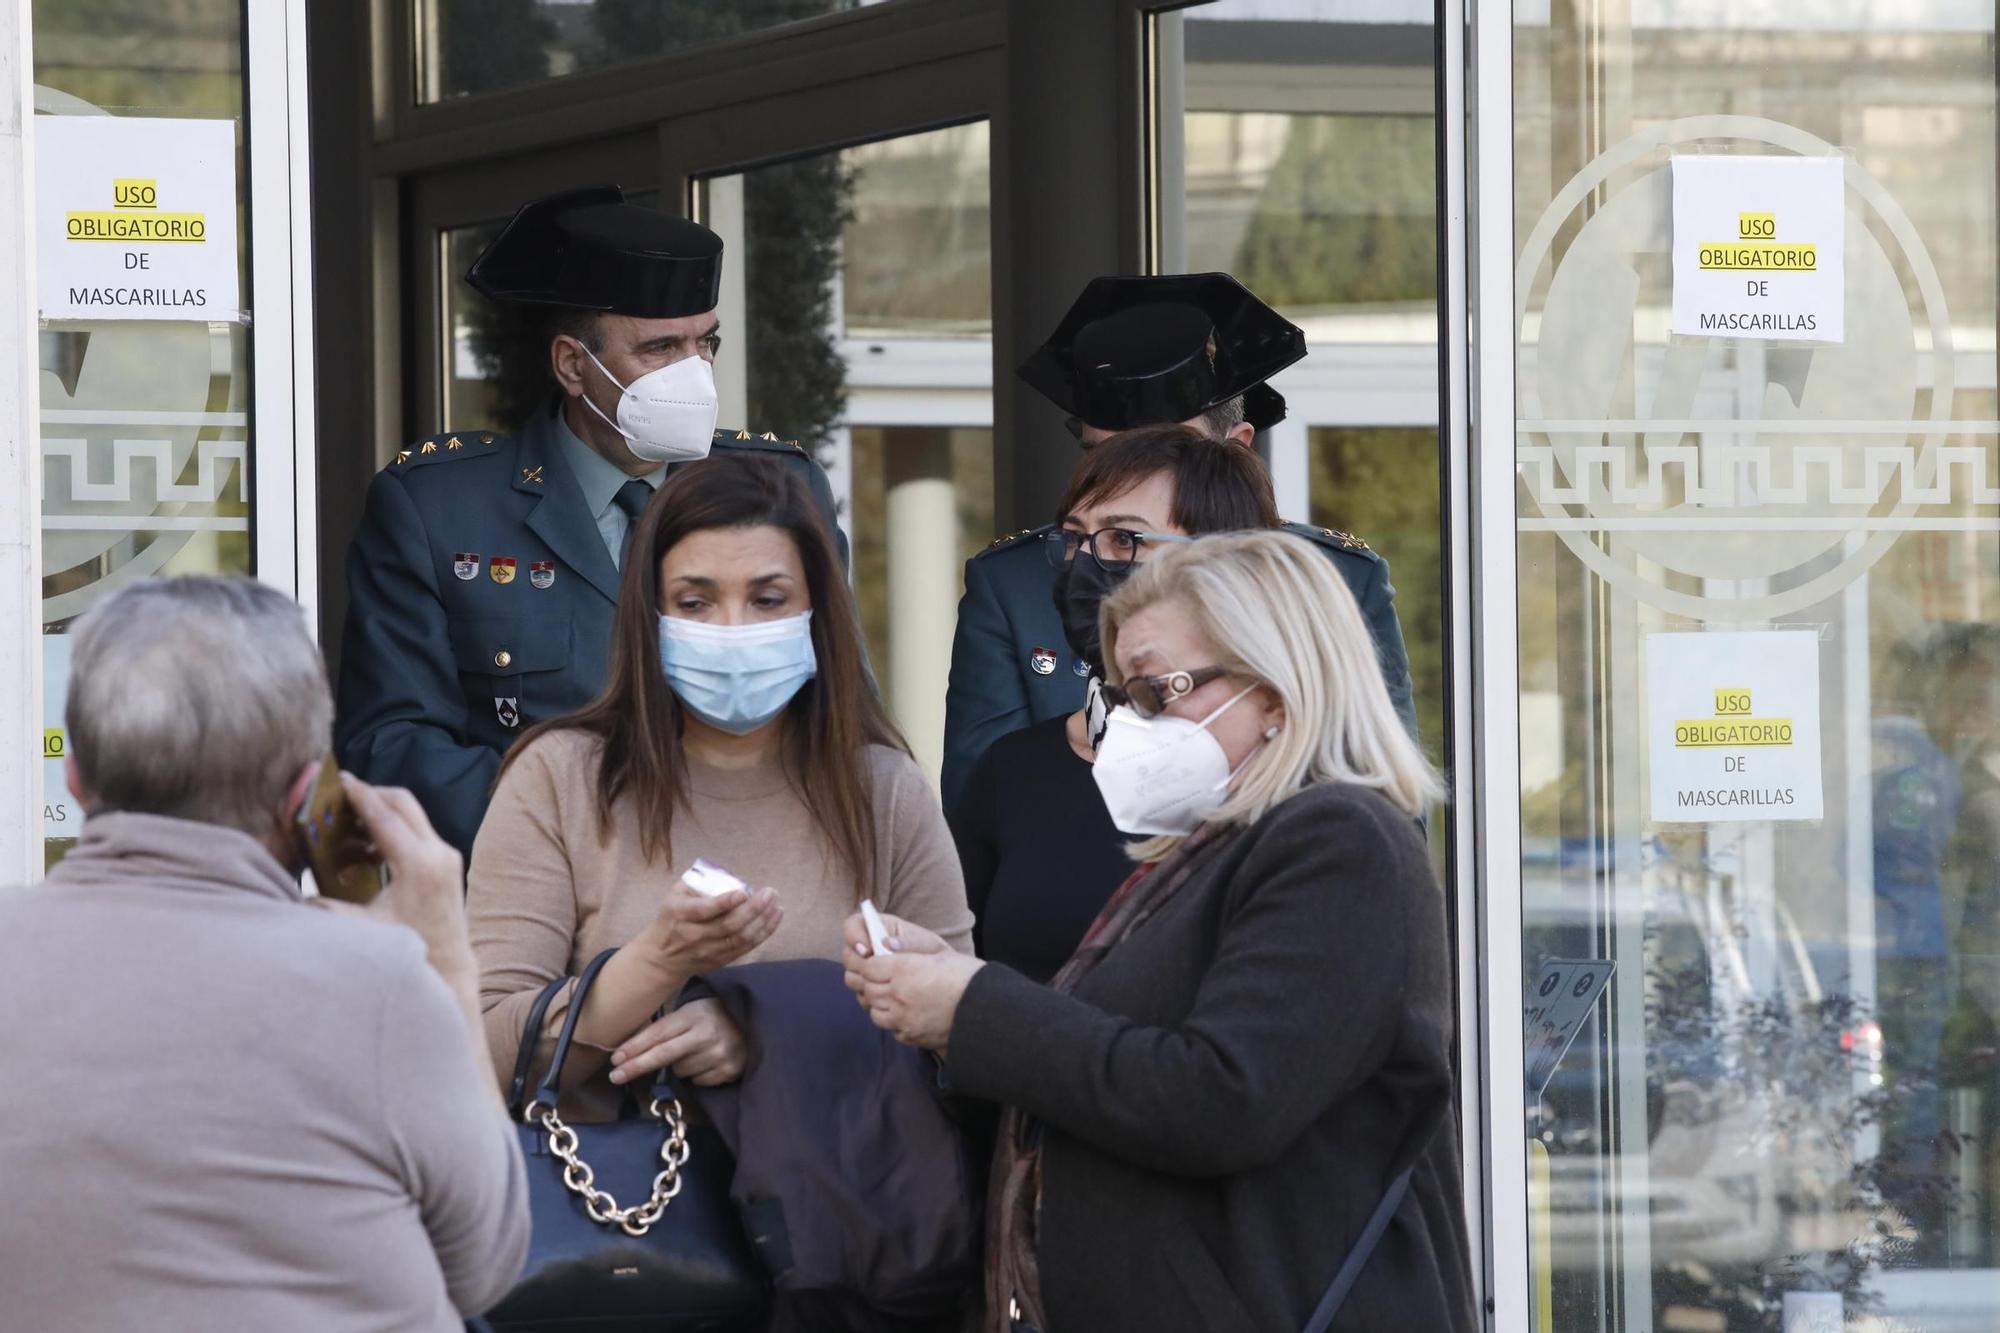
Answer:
(1011, 666)
(480, 601)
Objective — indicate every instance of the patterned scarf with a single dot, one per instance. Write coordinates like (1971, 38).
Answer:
(1013, 1277)
(1096, 712)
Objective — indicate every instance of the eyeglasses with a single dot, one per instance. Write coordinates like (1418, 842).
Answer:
(1114, 548)
(1148, 696)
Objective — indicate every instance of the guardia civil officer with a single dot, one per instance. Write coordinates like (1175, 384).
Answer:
(485, 571)
(1132, 351)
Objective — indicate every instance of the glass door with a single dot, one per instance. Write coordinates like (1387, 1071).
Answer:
(1757, 489)
(163, 451)
(862, 304)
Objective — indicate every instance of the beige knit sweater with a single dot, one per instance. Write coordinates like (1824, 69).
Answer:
(547, 892)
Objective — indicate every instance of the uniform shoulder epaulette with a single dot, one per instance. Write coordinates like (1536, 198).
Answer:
(1007, 540)
(435, 448)
(769, 443)
(1334, 537)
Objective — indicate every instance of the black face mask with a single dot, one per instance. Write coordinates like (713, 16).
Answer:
(1080, 591)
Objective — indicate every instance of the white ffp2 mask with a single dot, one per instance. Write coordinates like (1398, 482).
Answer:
(666, 415)
(1161, 775)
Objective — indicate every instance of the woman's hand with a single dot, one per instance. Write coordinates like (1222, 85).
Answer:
(904, 936)
(912, 996)
(698, 1041)
(694, 933)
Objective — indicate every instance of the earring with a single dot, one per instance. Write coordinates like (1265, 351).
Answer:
(1271, 732)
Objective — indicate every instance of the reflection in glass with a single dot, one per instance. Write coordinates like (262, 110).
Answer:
(865, 294)
(921, 505)
(1788, 1100)
(479, 46)
(1305, 167)
(918, 240)
(1383, 480)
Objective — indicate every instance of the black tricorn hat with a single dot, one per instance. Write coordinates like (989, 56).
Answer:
(1147, 351)
(590, 249)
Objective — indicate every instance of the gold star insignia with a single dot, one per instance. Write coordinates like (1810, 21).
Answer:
(742, 434)
(454, 443)
(430, 447)
(402, 455)
(531, 474)
(767, 435)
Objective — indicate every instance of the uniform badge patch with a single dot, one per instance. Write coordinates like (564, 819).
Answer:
(465, 564)
(542, 573)
(1080, 667)
(501, 567)
(508, 709)
(1043, 660)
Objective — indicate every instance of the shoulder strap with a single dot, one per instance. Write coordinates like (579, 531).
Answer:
(1357, 1258)
(1371, 1235)
(531, 1040)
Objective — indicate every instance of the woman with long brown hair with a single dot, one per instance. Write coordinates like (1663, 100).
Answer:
(738, 728)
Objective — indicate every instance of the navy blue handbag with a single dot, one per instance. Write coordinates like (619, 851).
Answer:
(633, 1227)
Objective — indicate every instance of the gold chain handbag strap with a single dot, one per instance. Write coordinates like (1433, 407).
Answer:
(638, 1219)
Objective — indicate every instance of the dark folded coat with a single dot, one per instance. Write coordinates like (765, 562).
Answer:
(850, 1175)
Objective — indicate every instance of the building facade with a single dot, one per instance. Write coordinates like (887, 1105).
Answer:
(1652, 341)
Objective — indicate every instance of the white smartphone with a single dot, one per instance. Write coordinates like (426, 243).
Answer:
(878, 934)
(711, 880)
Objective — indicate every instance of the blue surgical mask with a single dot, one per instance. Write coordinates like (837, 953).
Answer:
(737, 677)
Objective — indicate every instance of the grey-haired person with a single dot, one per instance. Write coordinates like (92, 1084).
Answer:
(226, 1109)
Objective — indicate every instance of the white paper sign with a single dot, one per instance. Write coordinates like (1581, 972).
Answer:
(1732, 726)
(1759, 244)
(136, 218)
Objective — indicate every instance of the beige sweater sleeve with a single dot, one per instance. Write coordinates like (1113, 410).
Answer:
(522, 904)
(924, 884)
(459, 1157)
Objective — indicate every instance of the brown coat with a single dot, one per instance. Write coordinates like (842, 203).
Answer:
(549, 890)
(226, 1110)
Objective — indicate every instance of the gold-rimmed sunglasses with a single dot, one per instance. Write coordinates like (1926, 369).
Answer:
(1148, 696)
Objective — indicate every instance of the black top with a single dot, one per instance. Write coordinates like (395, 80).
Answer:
(1229, 1092)
(1041, 855)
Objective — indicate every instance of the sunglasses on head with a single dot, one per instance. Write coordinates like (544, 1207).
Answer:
(1148, 696)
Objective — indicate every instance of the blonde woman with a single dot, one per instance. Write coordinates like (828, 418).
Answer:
(1249, 1057)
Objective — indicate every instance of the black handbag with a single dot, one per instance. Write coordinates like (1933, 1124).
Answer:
(633, 1228)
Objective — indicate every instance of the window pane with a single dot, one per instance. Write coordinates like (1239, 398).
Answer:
(1305, 166)
(865, 314)
(480, 46)
(1383, 480)
(1783, 1112)
(144, 423)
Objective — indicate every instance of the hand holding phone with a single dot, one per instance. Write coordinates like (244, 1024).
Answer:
(335, 844)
